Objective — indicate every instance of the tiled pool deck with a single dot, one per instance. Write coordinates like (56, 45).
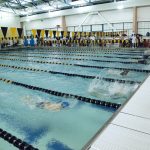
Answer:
(130, 128)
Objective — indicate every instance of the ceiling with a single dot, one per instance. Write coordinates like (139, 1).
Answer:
(31, 7)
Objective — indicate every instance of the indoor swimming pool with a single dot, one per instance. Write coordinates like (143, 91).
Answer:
(58, 100)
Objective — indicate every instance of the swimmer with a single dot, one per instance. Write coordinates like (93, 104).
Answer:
(45, 105)
(48, 105)
(142, 61)
(146, 54)
(114, 72)
(52, 106)
(124, 73)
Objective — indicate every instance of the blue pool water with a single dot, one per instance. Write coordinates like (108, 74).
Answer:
(68, 124)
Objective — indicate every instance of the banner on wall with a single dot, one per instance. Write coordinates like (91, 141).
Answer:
(58, 33)
(100, 34)
(13, 32)
(73, 34)
(65, 33)
(46, 33)
(51, 33)
(39, 32)
(68, 34)
(62, 34)
(42, 33)
(34, 32)
(97, 33)
(20, 30)
(4, 31)
(54, 34)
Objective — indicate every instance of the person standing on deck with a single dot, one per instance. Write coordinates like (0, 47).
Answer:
(134, 41)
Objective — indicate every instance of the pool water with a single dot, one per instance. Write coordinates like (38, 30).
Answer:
(67, 124)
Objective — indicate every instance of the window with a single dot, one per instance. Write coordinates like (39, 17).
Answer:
(143, 27)
(86, 28)
(97, 27)
(77, 29)
(71, 28)
(128, 28)
(108, 28)
(118, 26)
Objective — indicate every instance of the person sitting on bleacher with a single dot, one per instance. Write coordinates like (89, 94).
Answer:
(20, 41)
(15, 42)
(10, 42)
(1, 43)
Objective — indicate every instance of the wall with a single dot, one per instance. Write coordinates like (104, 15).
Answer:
(143, 13)
(8, 20)
(113, 16)
(43, 24)
(143, 20)
(74, 17)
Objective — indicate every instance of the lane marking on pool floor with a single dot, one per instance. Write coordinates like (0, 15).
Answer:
(69, 74)
(106, 104)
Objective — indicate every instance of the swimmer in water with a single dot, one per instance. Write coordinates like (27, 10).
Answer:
(124, 73)
(46, 105)
(114, 72)
(52, 106)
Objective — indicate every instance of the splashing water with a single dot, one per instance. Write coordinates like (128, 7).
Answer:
(100, 88)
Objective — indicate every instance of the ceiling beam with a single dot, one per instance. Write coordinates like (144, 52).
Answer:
(9, 6)
(92, 8)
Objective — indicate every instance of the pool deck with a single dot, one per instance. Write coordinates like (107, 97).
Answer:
(130, 128)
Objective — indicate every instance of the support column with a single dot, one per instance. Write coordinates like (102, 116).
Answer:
(24, 28)
(135, 24)
(64, 27)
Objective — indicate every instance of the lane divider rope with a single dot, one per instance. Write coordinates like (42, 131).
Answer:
(80, 50)
(87, 55)
(95, 52)
(79, 59)
(84, 66)
(69, 74)
(16, 142)
(106, 104)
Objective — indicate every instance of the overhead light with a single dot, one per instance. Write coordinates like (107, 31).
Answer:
(120, 7)
(77, 2)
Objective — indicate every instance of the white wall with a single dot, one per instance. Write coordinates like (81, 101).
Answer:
(74, 17)
(143, 13)
(9, 20)
(114, 16)
(43, 24)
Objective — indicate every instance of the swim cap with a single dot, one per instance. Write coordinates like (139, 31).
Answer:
(64, 104)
